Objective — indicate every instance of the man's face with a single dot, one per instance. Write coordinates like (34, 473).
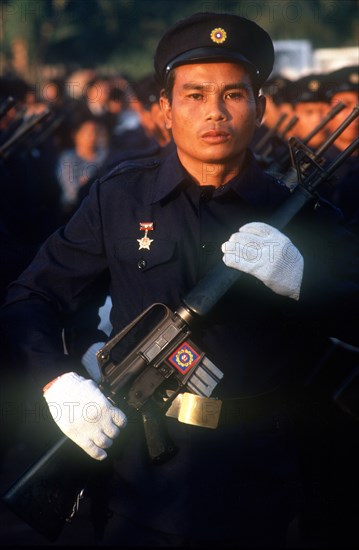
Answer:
(310, 114)
(213, 113)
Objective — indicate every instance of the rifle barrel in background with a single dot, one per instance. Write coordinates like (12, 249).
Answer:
(332, 113)
(290, 124)
(290, 178)
(281, 167)
(6, 105)
(22, 132)
(269, 134)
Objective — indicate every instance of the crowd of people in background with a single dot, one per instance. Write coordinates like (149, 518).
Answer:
(93, 123)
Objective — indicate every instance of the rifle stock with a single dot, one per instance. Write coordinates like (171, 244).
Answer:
(46, 495)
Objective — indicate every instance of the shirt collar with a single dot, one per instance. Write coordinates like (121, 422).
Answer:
(171, 175)
(250, 185)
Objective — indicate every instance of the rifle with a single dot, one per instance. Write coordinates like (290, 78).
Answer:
(144, 368)
(290, 178)
(22, 132)
(269, 134)
(6, 105)
(282, 165)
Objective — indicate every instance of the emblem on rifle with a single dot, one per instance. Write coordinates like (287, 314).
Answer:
(145, 242)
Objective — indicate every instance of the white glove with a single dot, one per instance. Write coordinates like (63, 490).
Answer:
(89, 361)
(264, 252)
(83, 413)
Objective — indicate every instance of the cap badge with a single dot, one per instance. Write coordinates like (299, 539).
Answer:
(313, 85)
(354, 78)
(145, 242)
(218, 35)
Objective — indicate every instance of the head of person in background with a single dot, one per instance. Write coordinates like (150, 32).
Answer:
(89, 137)
(342, 85)
(53, 93)
(147, 91)
(97, 94)
(272, 90)
(80, 164)
(310, 105)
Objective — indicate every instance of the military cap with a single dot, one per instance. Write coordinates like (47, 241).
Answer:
(307, 89)
(275, 87)
(208, 37)
(345, 79)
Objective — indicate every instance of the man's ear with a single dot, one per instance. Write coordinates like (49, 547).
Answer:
(166, 110)
(260, 109)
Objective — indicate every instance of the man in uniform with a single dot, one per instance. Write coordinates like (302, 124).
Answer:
(239, 484)
(342, 85)
(310, 105)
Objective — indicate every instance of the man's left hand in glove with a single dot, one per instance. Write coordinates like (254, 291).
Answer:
(264, 252)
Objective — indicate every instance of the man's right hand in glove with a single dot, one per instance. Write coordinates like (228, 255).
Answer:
(83, 413)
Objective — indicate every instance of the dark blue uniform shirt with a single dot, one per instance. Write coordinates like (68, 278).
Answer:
(258, 339)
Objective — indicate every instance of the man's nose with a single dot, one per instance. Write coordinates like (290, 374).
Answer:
(216, 108)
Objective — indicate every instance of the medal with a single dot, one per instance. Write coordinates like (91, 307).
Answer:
(145, 242)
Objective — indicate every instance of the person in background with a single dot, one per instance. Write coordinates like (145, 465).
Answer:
(342, 85)
(272, 90)
(147, 90)
(96, 94)
(83, 162)
(269, 142)
(208, 202)
(310, 105)
(30, 208)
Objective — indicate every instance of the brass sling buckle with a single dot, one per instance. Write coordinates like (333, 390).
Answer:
(196, 410)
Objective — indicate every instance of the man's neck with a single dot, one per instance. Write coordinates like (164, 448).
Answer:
(211, 173)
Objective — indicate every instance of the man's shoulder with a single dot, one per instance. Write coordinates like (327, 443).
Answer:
(134, 166)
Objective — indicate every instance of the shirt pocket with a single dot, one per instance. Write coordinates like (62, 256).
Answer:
(160, 252)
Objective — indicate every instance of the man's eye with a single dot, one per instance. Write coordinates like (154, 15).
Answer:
(196, 96)
(233, 95)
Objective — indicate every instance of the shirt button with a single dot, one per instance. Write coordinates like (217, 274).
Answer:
(208, 248)
(141, 264)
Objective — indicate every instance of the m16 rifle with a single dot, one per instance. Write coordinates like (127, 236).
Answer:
(264, 141)
(6, 105)
(144, 367)
(298, 171)
(279, 164)
(24, 127)
(279, 137)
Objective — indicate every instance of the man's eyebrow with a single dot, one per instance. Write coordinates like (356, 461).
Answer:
(200, 86)
(236, 86)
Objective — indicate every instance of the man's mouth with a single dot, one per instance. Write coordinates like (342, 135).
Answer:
(216, 136)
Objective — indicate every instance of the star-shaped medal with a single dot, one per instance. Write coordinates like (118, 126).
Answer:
(145, 242)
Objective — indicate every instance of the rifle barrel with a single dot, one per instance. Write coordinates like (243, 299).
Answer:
(331, 139)
(270, 133)
(290, 124)
(21, 132)
(332, 113)
(6, 105)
